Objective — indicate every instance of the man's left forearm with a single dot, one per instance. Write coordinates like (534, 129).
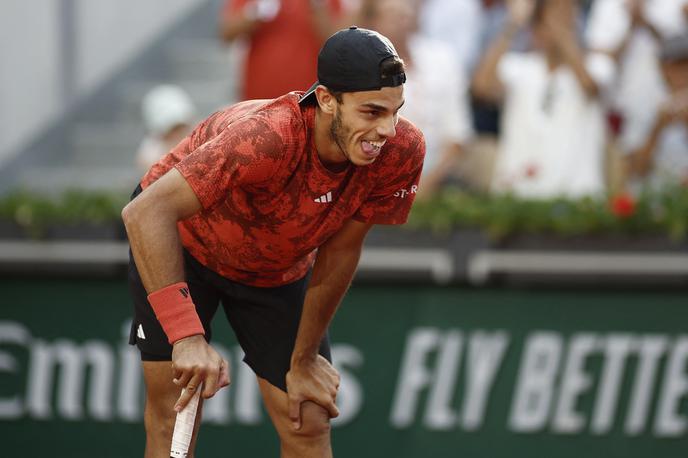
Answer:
(334, 268)
(331, 278)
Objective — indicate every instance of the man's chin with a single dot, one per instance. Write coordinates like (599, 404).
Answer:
(363, 161)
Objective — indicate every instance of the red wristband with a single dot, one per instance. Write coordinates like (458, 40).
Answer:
(176, 312)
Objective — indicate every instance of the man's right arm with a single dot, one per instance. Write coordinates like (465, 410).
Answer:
(151, 223)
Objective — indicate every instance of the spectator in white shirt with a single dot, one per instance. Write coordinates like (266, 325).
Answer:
(457, 23)
(553, 130)
(631, 31)
(662, 157)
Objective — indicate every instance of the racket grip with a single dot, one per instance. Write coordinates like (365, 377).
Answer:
(184, 426)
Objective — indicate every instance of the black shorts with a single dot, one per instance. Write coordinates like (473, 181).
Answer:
(265, 320)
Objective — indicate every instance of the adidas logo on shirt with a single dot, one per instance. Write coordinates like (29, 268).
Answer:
(325, 198)
(139, 333)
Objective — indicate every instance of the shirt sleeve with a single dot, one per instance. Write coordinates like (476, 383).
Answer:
(390, 201)
(246, 153)
(167, 161)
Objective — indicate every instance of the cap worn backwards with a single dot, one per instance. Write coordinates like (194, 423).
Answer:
(350, 61)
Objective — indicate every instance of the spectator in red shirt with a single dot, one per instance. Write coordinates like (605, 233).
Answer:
(283, 38)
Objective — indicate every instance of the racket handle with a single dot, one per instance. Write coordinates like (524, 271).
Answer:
(184, 426)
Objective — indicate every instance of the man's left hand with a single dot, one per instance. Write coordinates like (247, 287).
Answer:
(313, 380)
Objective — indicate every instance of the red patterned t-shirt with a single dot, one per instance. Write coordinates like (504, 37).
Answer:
(268, 202)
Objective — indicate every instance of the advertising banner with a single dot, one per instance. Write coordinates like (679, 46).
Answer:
(426, 372)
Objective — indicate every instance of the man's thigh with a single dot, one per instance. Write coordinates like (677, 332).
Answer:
(266, 321)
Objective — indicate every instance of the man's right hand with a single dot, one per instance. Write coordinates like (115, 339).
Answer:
(194, 362)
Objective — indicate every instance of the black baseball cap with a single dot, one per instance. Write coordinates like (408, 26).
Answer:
(350, 60)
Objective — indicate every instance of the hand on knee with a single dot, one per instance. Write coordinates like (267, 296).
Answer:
(315, 422)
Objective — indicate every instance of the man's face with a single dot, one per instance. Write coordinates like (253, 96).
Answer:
(364, 121)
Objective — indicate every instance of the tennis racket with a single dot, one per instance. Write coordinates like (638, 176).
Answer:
(184, 426)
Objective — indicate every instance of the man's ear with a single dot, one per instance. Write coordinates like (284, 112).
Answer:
(326, 101)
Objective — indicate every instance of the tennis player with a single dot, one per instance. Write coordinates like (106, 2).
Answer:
(263, 209)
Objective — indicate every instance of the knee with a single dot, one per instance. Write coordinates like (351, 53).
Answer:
(159, 418)
(315, 423)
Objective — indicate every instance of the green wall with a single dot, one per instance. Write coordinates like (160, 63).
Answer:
(427, 372)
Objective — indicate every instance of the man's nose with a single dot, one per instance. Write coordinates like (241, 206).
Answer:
(387, 127)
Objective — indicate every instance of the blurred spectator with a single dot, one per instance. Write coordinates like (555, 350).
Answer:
(168, 114)
(662, 157)
(553, 131)
(631, 30)
(435, 92)
(283, 39)
(493, 16)
(455, 22)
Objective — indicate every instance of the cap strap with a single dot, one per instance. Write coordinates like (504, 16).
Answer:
(394, 80)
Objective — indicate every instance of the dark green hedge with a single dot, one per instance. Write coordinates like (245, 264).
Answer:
(35, 213)
(660, 213)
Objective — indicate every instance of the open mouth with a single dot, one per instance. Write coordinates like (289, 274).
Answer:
(371, 148)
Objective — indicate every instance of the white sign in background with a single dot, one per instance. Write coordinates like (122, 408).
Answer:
(440, 370)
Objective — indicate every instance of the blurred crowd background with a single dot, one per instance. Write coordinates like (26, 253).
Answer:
(534, 98)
